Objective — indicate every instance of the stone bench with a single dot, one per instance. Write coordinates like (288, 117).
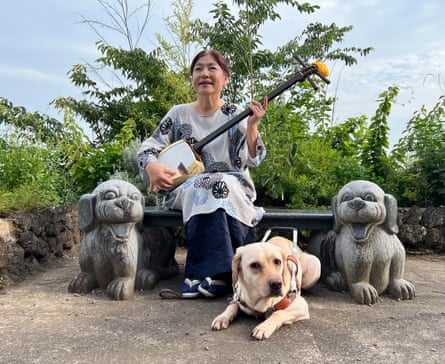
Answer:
(274, 217)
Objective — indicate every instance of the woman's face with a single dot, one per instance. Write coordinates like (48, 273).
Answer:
(208, 77)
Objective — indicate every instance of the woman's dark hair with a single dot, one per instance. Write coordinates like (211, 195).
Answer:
(218, 57)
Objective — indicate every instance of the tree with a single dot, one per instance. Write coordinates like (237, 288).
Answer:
(39, 127)
(148, 94)
(146, 90)
(239, 39)
(122, 20)
(418, 158)
(374, 155)
(298, 121)
(179, 26)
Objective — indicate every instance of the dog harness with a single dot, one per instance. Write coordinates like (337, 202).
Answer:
(295, 288)
(284, 303)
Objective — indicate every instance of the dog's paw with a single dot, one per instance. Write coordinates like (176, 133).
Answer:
(402, 289)
(120, 288)
(220, 322)
(263, 331)
(223, 320)
(364, 294)
(82, 283)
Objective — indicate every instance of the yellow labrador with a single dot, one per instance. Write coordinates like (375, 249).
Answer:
(263, 285)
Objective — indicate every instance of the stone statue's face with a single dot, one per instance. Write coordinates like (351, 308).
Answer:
(360, 206)
(118, 202)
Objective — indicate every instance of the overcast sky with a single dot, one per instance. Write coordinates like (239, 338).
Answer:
(41, 40)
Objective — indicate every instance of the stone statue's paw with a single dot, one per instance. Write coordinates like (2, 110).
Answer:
(121, 289)
(82, 283)
(335, 282)
(146, 279)
(364, 294)
(402, 289)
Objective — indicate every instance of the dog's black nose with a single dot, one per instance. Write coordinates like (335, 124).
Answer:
(275, 287)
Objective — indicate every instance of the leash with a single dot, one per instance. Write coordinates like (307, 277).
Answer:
(167, 293)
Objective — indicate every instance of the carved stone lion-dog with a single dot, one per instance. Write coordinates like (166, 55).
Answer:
(363, 254)
(114, 255)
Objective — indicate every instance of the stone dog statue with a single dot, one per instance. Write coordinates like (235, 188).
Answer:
(363, 254)
(114, 255)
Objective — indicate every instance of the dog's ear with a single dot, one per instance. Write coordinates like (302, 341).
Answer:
(236, 265)
(140, 223)
(390, 224)
(86, 216)
(142, 201)
(337, 224)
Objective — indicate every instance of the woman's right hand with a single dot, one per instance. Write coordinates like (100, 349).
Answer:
(160, 177)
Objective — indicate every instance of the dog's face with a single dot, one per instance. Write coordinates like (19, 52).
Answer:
(360, 206)
(260, 271)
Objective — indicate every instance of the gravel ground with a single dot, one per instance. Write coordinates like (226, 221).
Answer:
(40, 322)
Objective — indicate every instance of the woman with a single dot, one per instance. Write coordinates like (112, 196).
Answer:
(217, 205)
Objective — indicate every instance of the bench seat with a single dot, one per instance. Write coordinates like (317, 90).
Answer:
(273, 217)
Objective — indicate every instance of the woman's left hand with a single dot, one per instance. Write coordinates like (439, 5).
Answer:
(258, 110)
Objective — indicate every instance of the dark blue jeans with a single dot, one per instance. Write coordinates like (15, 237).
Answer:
(211, 242)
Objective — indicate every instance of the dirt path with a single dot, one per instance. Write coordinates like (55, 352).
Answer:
(41, 323)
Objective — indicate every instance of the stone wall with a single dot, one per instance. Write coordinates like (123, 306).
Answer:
(422, 229)
(29, 240)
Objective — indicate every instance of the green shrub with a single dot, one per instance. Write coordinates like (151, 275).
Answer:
(419, 161)
(308, 175)
(31, 174)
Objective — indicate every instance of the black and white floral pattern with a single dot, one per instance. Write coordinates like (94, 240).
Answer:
(226, 183)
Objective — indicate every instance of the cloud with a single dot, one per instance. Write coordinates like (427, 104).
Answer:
(41, 40)
(21, 73)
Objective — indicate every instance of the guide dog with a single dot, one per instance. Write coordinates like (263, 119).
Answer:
(264, 285)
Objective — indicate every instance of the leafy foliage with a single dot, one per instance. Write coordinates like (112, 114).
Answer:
(32, 173)
(148, 93)
(89, 164)
(40, 127)
(308, 167)
(419, 158)
(44, 162)
(238, 38)
(179, 25)
(374, 157)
